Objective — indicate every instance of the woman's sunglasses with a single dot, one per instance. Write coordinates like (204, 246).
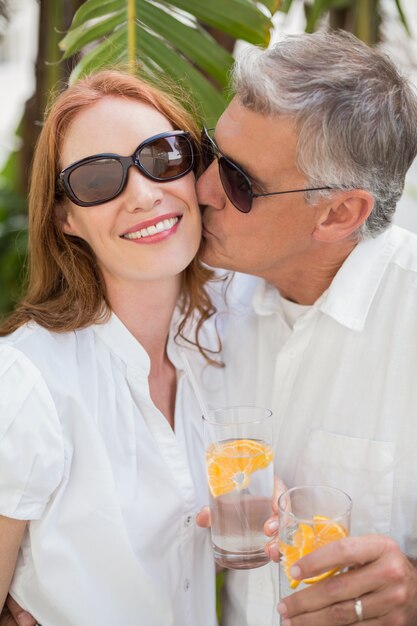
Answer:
(102, 177)
(236, 183)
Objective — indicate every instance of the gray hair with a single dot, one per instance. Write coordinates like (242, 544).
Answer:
(355, 113)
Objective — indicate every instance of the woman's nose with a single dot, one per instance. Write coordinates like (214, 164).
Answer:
(141, 192)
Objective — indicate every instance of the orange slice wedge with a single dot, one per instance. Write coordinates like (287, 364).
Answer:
(231, 463)
(306, 539)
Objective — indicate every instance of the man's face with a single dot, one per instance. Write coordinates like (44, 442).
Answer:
(276, 236)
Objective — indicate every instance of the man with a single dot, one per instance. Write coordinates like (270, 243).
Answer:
(312, 154)
(330, 344)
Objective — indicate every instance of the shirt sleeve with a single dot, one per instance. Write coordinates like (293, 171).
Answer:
(31, 439)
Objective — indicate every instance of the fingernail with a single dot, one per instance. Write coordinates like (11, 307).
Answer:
(273, 526)
(273, 551)
(295, 571)
(286, 622)
(24, 619)
(282, 609)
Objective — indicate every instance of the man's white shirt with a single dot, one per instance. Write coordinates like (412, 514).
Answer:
(341, 379)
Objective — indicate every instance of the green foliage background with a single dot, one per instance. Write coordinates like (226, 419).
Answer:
(189, 41)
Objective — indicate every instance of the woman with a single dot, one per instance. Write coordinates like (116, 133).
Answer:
(97, 493)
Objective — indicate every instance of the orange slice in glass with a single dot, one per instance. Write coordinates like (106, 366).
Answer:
(326, 531)
(231, 463)
(303, 543)
(306, 539)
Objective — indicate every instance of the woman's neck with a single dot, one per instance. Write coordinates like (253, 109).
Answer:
(146, 310)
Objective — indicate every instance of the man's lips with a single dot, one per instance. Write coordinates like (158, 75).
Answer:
(208, 232)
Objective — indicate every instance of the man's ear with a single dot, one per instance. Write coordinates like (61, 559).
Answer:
(343, 215)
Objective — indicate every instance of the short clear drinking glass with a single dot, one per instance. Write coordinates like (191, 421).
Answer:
(239, 461)
(309, 517)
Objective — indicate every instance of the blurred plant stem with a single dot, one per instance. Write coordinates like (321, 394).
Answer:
(54, 18)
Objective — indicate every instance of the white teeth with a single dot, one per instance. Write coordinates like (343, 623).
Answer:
(152, 230)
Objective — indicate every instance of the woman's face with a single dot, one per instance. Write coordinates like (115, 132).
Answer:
(167, 213)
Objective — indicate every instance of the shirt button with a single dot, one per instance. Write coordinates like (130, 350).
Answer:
(187, 584)
(188, 520)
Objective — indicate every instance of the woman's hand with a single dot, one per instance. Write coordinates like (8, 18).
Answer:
(202, 519)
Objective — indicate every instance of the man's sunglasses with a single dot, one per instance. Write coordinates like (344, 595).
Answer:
(102, 177)
(236, 183)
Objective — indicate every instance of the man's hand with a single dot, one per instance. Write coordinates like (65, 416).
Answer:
(13, 615)
(380, 575)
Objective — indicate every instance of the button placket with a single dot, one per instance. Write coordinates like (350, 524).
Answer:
(288, 361)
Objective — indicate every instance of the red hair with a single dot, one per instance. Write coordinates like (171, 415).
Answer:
(65, 288)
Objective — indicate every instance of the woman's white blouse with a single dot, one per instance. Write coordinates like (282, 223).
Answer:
(110, 489)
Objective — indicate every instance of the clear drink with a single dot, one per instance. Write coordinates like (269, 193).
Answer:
(238, 516)
(284, 584)
(239, 460)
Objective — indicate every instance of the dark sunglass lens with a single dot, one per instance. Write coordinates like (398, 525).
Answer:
(97, 181)
(236, 186)
(167, 158)
(208, 151)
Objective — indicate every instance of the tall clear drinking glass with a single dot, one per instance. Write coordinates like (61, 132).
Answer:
(309, 517)
(239, 461)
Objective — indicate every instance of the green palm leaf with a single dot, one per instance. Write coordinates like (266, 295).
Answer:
(92, 9)
(272, 5)
(402, 16)
(315, 9)
(111, 51)
(167, 37)
(238, 18)
(78, 37)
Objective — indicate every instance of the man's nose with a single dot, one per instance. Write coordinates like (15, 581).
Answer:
(210, 190)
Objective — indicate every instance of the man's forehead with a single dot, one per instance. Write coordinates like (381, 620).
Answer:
(239, 122)
(264, 145)
(232, 118)
(235, 131)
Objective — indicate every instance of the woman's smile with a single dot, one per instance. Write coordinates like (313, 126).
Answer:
(153, 230)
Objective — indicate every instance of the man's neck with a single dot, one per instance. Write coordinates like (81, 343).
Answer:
(305, 282)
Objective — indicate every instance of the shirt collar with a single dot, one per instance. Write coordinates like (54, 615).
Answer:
(122, 343)
(266, 299)
(350, 295)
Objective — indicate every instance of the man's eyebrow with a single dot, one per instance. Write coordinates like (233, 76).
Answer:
(256, 181)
